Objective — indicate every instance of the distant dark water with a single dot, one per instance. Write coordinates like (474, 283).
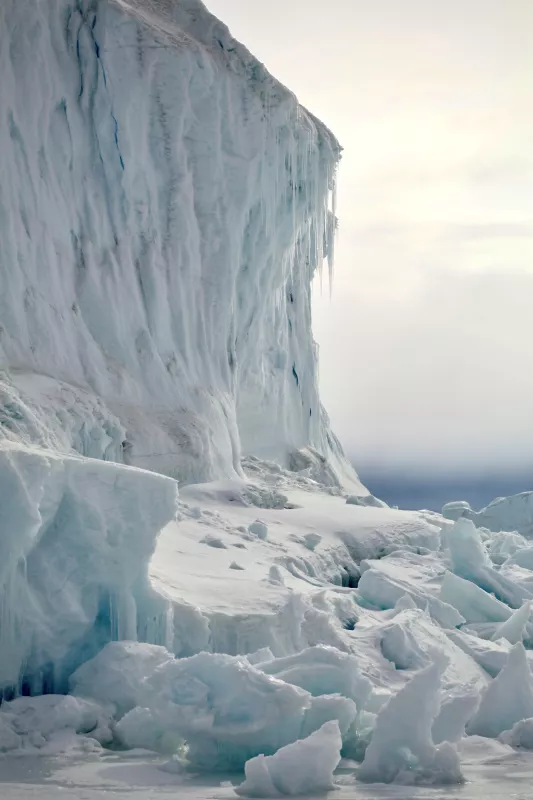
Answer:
(411, 490)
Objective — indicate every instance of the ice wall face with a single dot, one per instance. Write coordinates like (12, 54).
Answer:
(164, 203)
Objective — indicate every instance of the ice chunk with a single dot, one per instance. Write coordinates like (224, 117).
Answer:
(523, 558)
(259, 529)
(467, 553)
(9, 739)
(456, 510)
(40, 721)
(77, 537)
(508, 699)
(401, 747)
(226, 709)
(455, 712)
(491, 656)
(328, 707)
(470, 560)
(260, 656)
(404, 602)
(520, 735)
(303, 767)
(473, 603)
(118, 672)
(384, 590)
(514, 513)
(367, 500)
(141, 728)
(514, 629)
(323, 670)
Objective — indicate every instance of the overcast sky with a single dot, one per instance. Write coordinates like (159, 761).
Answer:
(427, 344)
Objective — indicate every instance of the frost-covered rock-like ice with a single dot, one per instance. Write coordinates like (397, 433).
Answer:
(77, 535)
(165, 205)
(303, 767)
(402, 748)
(507, 700)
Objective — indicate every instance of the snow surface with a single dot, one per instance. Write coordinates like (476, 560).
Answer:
(164, 206)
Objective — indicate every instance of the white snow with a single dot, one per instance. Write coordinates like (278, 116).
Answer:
(305, 766)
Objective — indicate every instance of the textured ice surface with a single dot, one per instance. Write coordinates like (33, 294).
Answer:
(303, 767)
(76, 538)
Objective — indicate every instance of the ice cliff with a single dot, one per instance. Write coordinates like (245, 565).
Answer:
(164, 205)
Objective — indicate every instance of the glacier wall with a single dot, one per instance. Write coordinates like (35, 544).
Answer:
(164, 204)
(77, 535)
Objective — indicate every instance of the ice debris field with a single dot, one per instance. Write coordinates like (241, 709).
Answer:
(198, 598)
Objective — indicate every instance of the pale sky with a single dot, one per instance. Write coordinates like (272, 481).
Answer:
(426, 348)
